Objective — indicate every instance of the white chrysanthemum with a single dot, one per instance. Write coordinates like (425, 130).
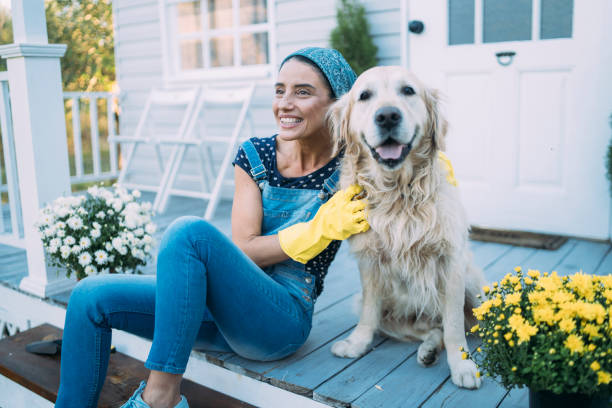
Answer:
(60, 233)
(117, 243)
(49, 232)
(110, 212)
(65, 251)
(101, 257)
(117, 204)
(150, 228)
(122, 250)
(90, 270)
(136, 193)
(52, 249)
(69, 240)
(108, 246)
(94, 191)
(95, 233)
(81, 211)
(148, 248)
(76, 249)
(47, 218)
(85, 258)
(100, 214)
(60, 224)
(75, 223)
(55, 242)
(139, 232)
(137, 253)
(85, 242)
(96, 225)
(61, 211)
(147, 239)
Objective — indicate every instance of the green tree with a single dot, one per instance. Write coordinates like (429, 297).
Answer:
(352, 36)
(86, 27)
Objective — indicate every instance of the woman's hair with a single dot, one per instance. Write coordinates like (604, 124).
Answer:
(305, 60)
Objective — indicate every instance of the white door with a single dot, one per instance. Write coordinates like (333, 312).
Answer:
(528, 127)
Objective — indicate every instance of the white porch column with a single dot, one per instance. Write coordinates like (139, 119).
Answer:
(40, 133)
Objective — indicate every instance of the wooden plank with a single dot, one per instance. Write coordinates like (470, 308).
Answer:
(364, 374)
(449, 395)
(326, 326)
(585, 256)
(546, 261)
(40, 374)
(516, 398)
(605, 267)
(507, 262)
(303, 376)
(488, 252)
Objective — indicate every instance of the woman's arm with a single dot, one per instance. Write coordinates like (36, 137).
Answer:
(247, 216)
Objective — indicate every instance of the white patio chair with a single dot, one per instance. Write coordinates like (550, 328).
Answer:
(167, 114)
(212, 176)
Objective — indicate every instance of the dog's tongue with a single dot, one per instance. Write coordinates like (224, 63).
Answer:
(390, 150)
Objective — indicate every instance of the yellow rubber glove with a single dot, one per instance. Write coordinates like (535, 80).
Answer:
(450, 175)
(337, 219)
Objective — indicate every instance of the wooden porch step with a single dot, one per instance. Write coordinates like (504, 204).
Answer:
(40, 373)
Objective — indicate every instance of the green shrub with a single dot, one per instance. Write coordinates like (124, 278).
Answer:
(352, 36)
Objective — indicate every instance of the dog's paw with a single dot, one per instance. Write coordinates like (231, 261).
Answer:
(464, 375)
(349, 349)
(428, 354)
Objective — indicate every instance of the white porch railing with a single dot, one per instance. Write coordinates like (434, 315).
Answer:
(99, 167)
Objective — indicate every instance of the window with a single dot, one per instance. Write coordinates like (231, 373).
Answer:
(216, 36)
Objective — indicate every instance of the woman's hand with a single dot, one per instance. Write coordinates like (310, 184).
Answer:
(337, 219)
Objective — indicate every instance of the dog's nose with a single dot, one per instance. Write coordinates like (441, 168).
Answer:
(388, 117)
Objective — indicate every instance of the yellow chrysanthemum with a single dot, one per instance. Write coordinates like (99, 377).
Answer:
(518, 269)
(544, 314)
(483, 309)
(567, 325)
(591, 330)
(508, 336)
(595, 366)
(513, 298)
(533, 273)
(497, 301)
(474, 328)
(591, 347)
(525, 332)
(603, 377)
(486, 289)
(574, 344)
(590, 311)
(550, 283)
(562, 297)
(528, 281)
(583, 285)
(464, 356)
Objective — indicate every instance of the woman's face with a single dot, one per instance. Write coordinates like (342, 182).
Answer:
(301, 101)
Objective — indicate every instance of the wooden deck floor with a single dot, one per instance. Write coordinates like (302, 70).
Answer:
(387, 376)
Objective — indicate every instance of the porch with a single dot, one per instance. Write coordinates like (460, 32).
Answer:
(387, 376)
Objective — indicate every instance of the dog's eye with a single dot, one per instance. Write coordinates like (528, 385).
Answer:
(364, 95)
(408, 90)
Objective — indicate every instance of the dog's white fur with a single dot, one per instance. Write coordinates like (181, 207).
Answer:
(415, 264)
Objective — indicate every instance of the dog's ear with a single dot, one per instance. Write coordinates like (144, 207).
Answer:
(338, 122)
(437, 123)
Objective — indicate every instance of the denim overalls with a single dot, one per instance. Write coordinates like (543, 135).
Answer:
(283, 207)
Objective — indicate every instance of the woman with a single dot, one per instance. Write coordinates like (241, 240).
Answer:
(285, 233)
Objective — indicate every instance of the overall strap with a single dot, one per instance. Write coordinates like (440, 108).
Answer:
(330, 185)
(258, 170)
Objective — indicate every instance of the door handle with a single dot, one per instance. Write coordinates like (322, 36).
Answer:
(504, 58)
(416, 26)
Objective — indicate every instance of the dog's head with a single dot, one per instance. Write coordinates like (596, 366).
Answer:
(390, 117)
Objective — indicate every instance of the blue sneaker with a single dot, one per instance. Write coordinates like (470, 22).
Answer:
(136, 401)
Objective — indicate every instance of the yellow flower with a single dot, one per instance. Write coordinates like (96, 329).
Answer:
(486, 289)
(497, 301)
(474, 328)
(583, 285)
(494, 284)
(478, 374)
(571, 364)
(574, 344)
(513, 298)
(603, 377)
(483, 309)
(591, 330)
(550, 283)
(528, 281)
(495, 334)
(552, 351)
(590, 311)
(501, 316)
(514, 368)
(518, 310)
(508, 336)
(525, 332)
(595, 366)
(533, 273)
(544, 314)
(479, 350)
(591, 347)
(562, 297)
(518, 269)
(567, 325)
(464, 355)
(511, 343)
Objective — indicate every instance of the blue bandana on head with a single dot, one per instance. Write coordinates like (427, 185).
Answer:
(338, 72)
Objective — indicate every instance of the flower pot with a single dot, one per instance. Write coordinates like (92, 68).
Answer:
(547, 399)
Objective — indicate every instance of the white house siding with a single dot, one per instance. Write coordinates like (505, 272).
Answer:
(298, 23)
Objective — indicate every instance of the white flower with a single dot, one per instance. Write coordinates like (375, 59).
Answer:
(147, 248)
(147, 239)
(110, 212)
(85, 258)
(55, 242)
(122, 250)
(117, 204)
(136, 193)
(138, 232)
(95, 233)
(96, 225)
(117, 243)
(101, 257)
(60, 233)
(65, 251)
(52, 249)
(81, 211)
(108, 246)
(61, 211)
(75, 223)
(137, 253)
(49, 232)
(46, 219)
(90, 269)
(85, 242)
(69, 240)
(150, 228)
(94, 191)
(76, 249)
(100, 214)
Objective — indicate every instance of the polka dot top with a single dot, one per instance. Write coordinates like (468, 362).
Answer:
(266, 147)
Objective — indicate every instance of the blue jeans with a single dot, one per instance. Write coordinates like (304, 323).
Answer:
(207, 294)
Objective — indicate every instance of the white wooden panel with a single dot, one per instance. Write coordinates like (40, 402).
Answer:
(144, 13)
(138, 49)
(543, 123)
(388, 46)
(139, 65)
(133, 32)
(468, 139)
(125, 4)
(306, 31)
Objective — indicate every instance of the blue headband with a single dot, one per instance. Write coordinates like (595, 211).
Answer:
(338, 72)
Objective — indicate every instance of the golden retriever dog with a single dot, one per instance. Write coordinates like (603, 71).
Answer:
(415, 264)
